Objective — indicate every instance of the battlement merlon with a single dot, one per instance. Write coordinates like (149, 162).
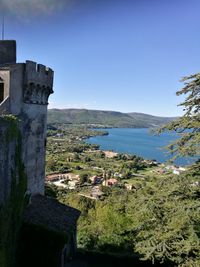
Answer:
(38, 83)
(38, 74)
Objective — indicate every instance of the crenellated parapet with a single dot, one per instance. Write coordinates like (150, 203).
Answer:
(38, 83)
(36, 94)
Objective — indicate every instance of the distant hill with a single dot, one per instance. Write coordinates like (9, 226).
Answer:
(105, 118)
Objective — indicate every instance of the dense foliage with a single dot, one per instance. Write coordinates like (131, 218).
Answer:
(160, 221)
(188, 126)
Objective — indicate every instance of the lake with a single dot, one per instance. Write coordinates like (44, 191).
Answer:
(139, 142)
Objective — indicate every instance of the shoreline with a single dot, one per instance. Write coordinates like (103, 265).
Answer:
(152, 149)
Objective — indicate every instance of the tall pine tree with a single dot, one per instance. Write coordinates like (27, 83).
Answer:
(188, 126)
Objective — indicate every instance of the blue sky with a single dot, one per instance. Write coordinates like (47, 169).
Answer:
(112, 55)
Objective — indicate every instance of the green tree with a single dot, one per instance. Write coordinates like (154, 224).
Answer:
(83, 178)
(51, 164)
(188, 126)
(165, 225)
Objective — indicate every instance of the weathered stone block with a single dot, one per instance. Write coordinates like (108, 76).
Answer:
(7, 52)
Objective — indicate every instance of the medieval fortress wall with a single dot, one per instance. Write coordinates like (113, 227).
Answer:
(24, 93)
(7, 160)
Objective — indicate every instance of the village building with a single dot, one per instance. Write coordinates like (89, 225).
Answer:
(73, 184)
(110, 154)
(161, 171)
(55, 177)
(175, 170)
(110, 182)
(72, 176)
(96, 179)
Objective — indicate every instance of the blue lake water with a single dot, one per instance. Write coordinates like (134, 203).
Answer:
(139, 142)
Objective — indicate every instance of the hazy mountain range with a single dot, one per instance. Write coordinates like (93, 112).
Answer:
(105, 118)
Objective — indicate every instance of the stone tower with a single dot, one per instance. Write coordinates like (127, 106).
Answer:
(24, 92)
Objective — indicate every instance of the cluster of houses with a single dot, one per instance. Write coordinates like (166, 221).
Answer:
(72, 181)
(68, 180)
(163, 168)
(170, 168)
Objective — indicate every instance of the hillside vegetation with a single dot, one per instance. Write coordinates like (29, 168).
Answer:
(150, 213)
(105, 118)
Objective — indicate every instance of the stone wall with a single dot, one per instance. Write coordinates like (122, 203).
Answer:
(7, 155)
(5, 78)
(37, 86)
(7, 52)
(33, 144)
(13, 188)
(27, 88)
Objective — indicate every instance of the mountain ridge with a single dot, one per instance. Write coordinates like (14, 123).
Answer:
(106, 118)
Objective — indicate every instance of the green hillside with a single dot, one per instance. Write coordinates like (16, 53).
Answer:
(149, 119)
(105, 118)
